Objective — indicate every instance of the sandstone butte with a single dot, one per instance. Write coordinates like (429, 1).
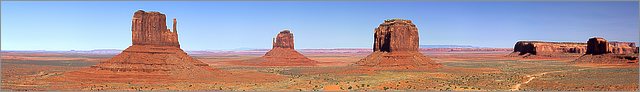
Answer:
(396, 45)
(552, 49)
(540, 48)
(155, 55)
(282, 53)
(600, 51)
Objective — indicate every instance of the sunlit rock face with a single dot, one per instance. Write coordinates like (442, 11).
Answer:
(396, 43)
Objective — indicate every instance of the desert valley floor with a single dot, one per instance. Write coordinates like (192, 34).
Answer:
(469, 70)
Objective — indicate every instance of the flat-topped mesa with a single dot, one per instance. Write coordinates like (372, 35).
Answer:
(623, 47)
(284, 39)
(548, 48)
(396, 35)
(600, 51)
(396, 44)
(597, 46)
(149, 28)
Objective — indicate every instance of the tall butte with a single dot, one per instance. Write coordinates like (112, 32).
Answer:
(281, 54)
(154, 56)
(396, 44)
(601, 51)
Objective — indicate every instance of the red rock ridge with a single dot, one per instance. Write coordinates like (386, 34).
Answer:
(554, 49)
(600, 51)
(547, 48)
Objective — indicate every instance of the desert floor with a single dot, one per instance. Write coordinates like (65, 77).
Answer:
(484, 71)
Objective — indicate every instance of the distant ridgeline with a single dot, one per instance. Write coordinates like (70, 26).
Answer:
(447, 46)
(525, 48)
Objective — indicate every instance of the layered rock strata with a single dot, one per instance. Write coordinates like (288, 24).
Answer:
(396, 43)
(154, 56)
(548, 48)
(553, 49)
(282, 53)
(600, 51)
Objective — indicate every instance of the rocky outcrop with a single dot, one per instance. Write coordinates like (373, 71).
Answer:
(282, 54)
(597, 46)
(149, 28)
(525, 48)
(396, 43)
(154, 55)
(396, 35)
(600, 51)
(154, 47)
(622, 47)
(284, 39)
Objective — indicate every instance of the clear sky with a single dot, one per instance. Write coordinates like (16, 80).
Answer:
(230, 25)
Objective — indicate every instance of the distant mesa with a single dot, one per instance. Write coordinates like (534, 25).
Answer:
(447, 46)
(600, 51)
(154, 55)
(282, 53)
(570, 49)
(396, 44)
(597, 46)
(550, 49)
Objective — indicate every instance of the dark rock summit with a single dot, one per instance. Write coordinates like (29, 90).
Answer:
(600, 51)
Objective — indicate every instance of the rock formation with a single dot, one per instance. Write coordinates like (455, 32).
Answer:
(557, 49)
(154, 55)
(525, 48)
(622, 47)
(597, 46)
(282, 53)
(600, 51)
(149, 28)
(396, 44)
(284, 39)
(154, 48)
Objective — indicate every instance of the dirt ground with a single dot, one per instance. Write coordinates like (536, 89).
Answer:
(461, 71)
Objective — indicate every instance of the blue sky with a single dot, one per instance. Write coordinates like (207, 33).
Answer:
(230, 25)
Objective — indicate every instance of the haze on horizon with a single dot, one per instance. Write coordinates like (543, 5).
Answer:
(232, 25)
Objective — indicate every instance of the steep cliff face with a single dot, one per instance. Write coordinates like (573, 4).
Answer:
(600, 51)
(149, 28)
(282, 54)
(396, 43)
(396, 35)
(623, 47)
(594, 46)
(284, 39)
(547, 48)
(154, 56)
(597, 46)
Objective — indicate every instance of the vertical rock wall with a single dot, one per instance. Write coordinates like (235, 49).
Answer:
(597, 46)
(396, 35)
(548, 48)
(284, 39)
(396, 45)
(149, 28)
